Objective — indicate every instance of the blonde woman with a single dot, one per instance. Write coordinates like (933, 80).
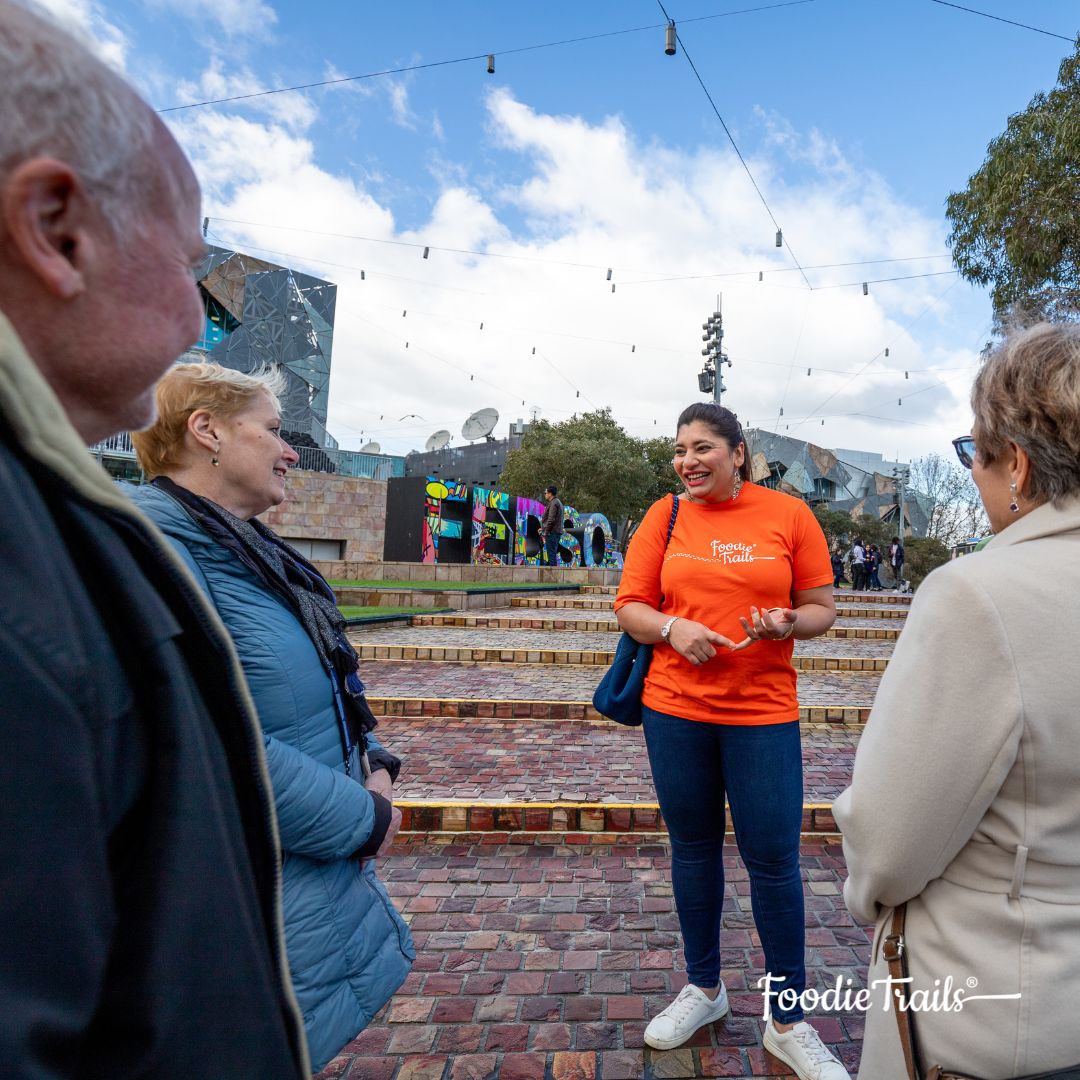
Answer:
(216, 460)
(965, 799)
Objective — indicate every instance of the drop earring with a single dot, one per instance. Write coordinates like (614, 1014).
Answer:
(1014, 506)
(214, 460)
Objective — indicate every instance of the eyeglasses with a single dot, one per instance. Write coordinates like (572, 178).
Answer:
(965, 450)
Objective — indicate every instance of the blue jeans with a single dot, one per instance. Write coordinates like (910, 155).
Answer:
(551, 546)
(760, 769)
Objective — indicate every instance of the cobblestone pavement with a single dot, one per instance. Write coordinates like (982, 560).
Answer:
(544, 682)
(573, 619)
(545, 963)
(543, 762)
(452, 637)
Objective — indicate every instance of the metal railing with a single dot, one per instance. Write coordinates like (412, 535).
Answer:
(349, 463)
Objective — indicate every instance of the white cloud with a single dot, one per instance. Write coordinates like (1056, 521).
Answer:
(292, 109)
(239, 18)
(86, 19)
(586, 197)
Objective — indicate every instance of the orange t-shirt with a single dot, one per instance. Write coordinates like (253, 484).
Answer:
(723, 558)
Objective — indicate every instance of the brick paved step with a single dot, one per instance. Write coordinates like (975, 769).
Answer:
(538, 961)
(846, 596)
(569, 619)
(544, 692)
(473, 760)
(596, 648)
(586, 603)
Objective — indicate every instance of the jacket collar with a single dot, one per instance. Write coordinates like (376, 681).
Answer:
(1043, 521)
(41, 426)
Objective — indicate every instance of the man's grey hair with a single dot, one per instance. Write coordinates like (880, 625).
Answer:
(60, 101)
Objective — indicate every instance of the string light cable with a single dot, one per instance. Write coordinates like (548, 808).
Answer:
(735, 146)
(469, 59)
(999, 18)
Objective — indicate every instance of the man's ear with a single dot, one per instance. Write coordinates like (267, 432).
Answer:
(47, 219)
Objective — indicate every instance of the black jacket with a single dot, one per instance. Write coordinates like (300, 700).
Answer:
(139, 882)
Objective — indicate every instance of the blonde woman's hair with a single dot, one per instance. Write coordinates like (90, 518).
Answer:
(187, 388)
(1028, 392)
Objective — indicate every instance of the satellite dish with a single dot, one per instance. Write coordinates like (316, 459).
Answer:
(371, 448)
(480, 425)
(439, 441)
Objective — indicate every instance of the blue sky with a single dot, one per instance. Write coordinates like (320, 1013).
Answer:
(856, 117)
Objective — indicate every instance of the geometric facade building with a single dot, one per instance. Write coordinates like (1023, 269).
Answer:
(853, 482)
(259, 315)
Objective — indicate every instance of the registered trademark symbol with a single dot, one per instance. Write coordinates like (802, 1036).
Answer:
(972, 982)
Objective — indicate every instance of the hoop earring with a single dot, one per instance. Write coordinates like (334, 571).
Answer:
(1014, 506)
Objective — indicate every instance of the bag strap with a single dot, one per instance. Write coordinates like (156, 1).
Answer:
(671, 523)
(894, 950)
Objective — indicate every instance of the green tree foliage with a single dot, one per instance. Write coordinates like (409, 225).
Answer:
(922, 555)
(837, 526)
(659, 453)
(593, 462)
(1016, 226)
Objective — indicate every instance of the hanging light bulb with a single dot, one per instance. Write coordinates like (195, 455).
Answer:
(406, 344)
(886, 351)
(633, 348)
(907, 375)
(807, 371)
(781, 410)
(362, 276)
(609, 273)
(491, 63)
(779, 237)
(865, 289)
(578, 394)
(613, 286)
(427, 251)
(669, 38)
(481, 326)
(534, 350)
(761, 275)
(403, 312)
(899, 401)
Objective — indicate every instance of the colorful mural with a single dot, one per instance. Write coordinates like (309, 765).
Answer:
(493, 527)
(437, 522)
(528, 549)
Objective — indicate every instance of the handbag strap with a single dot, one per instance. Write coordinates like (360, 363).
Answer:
(894, 950)
(671, 522)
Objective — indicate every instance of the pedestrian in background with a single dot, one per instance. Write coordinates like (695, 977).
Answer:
(836, 558)
(873, 565)
(551, 525)
(745, 571)
(858, 565)
(216, 460)
(964, 803)
(896, 561)
(140, 901)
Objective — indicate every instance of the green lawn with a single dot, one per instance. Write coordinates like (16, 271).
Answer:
(437, 586)
(352, 611)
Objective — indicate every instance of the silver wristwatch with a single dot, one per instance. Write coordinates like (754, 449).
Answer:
(665, 630)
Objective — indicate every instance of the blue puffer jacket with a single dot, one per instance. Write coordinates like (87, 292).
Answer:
(349, 950)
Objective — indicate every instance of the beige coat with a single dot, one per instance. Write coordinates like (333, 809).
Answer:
(965, 801)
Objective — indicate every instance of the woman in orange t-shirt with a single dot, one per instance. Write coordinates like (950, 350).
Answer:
(746, 570)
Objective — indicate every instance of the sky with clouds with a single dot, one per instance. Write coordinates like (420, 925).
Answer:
(855, 120)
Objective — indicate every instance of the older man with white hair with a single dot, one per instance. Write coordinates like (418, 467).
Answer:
(140, 931)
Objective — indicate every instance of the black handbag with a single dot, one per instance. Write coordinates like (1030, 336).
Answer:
(618, 697)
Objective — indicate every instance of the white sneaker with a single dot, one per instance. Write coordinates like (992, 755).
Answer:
(802, 1049)
(692, 1009)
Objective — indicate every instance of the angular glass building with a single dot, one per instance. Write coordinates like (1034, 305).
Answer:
(260, 315)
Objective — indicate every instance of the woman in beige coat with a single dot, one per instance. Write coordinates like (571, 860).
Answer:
(965, 798)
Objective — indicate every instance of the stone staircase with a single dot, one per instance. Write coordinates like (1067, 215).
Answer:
(532, 864)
